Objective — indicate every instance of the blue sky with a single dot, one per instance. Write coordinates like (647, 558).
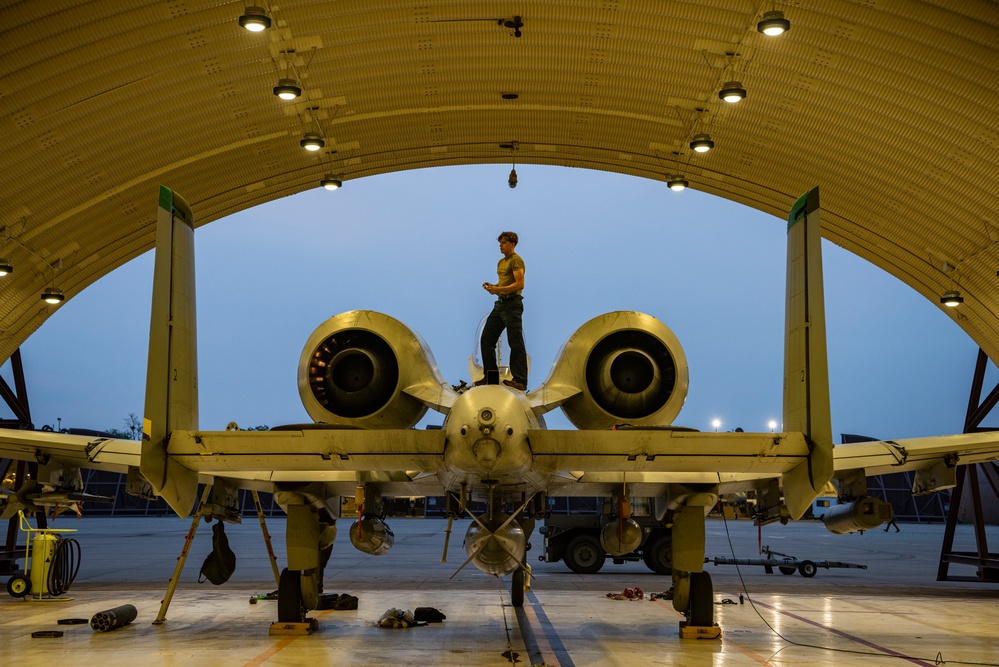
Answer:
(418, 245)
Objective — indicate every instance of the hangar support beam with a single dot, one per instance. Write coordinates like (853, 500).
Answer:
(969, 477)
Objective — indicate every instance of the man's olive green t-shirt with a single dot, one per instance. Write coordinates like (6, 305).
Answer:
(505, 268)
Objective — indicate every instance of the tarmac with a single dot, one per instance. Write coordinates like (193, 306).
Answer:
(892, 613)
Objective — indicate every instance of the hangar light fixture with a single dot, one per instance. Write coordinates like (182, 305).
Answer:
(732, 92)
(952, 298)
(331, 183)
(5, 266)
(287, 89)
(312, 141)
(512, 181)
(52, 295)
(773, 24)
(702, 143)
(255, 19)
(677, 184)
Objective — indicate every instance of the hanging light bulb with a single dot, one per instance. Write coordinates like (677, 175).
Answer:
(312, 141)
(255, 19)
(732, 92)
(331, 183)
(512, 181)
(677, 184)
(702, 143)
(5, 266)
(53, 295)
(773, 24)
(287, 89)
(952, 298)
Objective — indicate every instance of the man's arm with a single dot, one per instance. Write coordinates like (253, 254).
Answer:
(517, 284)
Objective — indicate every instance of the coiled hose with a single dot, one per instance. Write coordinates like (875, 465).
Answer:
(65, 566)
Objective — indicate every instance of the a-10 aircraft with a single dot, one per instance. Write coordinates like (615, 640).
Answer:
(621, 379)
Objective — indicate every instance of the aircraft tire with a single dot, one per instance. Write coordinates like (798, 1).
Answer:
(787, 570)
(19, 586)
(290, 607)
(517, 587)
(702, 611)
(807, 568)
(658, 555)
(584, 555)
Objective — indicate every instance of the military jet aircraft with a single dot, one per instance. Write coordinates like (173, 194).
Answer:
(366, 380)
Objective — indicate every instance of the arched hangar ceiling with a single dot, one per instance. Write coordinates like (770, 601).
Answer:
(890, 106)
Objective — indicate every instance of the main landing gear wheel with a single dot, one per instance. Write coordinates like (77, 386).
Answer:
(658, 555)
(290, 607)
(702, 611)
(807, 568)
(18, 586)
(517, 587)
(584, 554)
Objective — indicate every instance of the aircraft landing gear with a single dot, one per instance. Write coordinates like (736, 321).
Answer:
(517, 587)
(693, 595)
(291, 608)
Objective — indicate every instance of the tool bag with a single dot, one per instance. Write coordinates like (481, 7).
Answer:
(221, 562)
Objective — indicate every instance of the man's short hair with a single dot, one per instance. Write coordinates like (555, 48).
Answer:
(509, 236)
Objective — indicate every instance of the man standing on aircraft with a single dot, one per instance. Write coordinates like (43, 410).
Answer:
(508, 311)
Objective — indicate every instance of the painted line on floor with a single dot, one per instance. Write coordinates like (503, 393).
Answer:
(282, 644)
(846, 635)
(540, 638)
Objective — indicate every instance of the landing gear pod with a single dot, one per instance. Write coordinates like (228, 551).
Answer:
(373, 537)
(621, 537)
(861, 514)
(494, 550)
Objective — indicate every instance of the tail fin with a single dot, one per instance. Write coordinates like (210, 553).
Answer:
(806, 367)
(172, 369)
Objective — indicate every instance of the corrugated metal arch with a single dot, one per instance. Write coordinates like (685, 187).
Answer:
(889, 107)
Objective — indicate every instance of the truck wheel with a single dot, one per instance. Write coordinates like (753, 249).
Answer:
(584, 554)
(787, 570)
(807, 568)
(658, 554)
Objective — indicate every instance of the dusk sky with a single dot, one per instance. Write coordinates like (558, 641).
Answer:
(418, 245)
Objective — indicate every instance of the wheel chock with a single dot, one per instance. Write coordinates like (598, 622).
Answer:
(309, 626)
(699, 632)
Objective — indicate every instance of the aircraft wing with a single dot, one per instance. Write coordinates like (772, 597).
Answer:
(82, 451)
(886, 456)
(679, 456)
(310, 454)
(666, 455)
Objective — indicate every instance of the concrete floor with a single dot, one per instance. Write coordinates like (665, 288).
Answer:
(893, 613)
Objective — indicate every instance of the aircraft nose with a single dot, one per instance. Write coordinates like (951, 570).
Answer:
(487, 420)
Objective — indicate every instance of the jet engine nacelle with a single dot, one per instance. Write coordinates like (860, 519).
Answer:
(620, 367)
(366, 369)
(861, 514)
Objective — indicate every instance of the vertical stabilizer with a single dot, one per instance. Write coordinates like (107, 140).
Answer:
(806, 367)
(172, 369)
